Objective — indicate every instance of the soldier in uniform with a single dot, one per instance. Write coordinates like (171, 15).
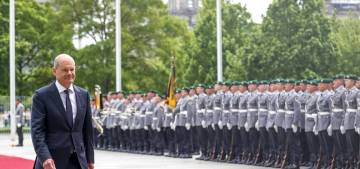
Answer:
(194, 135)
(279, 121)
(200, 121)
(272, 137)
(337, 118)
(158, 142)
(224, 122)
(302, 96)
(169, 128)
(244, 135)
(262, 149)
(183, 124)
(235, 147)
(323, 123)
(310, 121)
(291, 160)
(217, 99)
(352, 145)
(209, 116)
(252, 118)
(149, 131)
(19, 122)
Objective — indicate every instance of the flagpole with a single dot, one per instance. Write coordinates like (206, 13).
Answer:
(12, 69)
(219, 41)
(118, 44)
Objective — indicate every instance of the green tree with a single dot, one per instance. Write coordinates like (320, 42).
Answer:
(237, 29)
(38, 38)
(294, 42)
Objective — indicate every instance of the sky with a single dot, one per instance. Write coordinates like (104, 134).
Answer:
(257, 8)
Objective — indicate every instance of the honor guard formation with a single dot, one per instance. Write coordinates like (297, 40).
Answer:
(278, 123)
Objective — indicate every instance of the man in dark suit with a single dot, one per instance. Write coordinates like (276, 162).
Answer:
(61, 127)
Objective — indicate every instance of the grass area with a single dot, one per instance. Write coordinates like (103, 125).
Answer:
(7, 130)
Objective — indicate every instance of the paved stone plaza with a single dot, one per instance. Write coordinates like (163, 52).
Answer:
(117, 160)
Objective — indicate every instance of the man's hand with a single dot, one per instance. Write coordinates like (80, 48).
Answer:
(49, 164)
(91, 166)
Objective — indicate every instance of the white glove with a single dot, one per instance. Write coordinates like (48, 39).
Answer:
(294, 128)
(220, 124)
(247, 127)
(276, 128)
(158, 129)
(172, 127)
(257, 125)
(342, 129)
(329, 130)
(358, 130)
(146, 128)
(18, 125)
(228, 126)
(315, 131)
(213, 126)
(126, 127)
(203, 123)
(187, 126)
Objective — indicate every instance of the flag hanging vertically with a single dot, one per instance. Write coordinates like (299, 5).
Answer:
(170, 93)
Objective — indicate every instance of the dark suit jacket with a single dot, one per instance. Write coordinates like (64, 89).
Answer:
(55, 137)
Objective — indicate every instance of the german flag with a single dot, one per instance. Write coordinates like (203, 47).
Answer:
(170, 93)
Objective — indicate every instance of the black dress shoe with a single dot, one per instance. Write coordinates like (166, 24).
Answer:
(19, 145)
(292, 166)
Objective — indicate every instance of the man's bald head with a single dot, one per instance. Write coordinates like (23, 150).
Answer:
(64, 69)
(61, 58)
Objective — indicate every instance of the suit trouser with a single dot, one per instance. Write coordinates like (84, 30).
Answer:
(132, 139)
(194, 139)
(217, 141)
(325, 146)
(211, 139)
(119, 137)
(73, 162)
(226, 140)
(244, 137)
(235, 147)
(169, 138)
(107, 137)
(339, 147)
(263, 142)
(126, 139)
(203, 139)
(352, 145)
(95, 137)
(158, 141)
(253, 141)
(183, 140)
(305, 154)
(313, 145)
(281, 138)
(148, 138)
(292, 148)
(272, 142)
(20, 134)
(113, 137)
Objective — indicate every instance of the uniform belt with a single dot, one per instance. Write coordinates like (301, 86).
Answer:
(323, 113)
(155, 118)
(351, 110)
(217, 108)
(252, 109)
(149, 113)
(226, 111)
(234, 110)
(201, 111)
(272, 112)
(281, 111)
(289, 112)
(310, 116)
(263, 109)
(337, 110)
(142, 115)
(302, 110)
(209, 111)
(183, 112)
(168, 115)
(113, 114)
(242, 111)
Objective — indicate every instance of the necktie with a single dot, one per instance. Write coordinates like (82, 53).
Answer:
(69, 112)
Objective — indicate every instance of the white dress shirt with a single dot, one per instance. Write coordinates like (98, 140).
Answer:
(62, 93)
